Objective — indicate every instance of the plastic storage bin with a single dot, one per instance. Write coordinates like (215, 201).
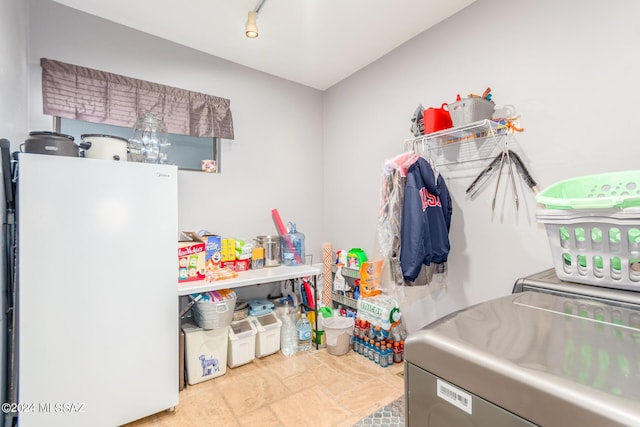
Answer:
(338, 331)
(242, 343)
(205, 352)
(593, 226)
(470, 110)
(268, 336)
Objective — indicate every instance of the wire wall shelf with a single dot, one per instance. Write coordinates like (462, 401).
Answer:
(472, 142)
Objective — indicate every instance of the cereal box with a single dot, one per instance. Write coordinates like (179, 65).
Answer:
(213, 249)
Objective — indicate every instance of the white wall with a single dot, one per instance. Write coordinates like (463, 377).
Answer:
(13, 76)
(571, 69)
(275, 160)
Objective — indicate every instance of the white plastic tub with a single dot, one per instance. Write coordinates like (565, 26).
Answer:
(338, 332)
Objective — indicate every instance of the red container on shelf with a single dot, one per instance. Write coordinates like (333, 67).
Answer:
(241, 264)
(436, 119)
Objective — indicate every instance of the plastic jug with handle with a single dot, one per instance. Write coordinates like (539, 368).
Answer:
(436, 119)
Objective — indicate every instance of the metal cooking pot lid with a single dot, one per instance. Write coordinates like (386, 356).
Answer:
(95, 135)
(48, 133)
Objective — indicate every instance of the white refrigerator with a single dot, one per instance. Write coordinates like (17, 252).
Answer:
(97, 306)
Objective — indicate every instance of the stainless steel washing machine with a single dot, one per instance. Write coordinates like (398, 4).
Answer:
(552, 353)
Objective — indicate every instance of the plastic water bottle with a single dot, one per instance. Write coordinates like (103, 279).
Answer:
(288, 333)
(304, 333)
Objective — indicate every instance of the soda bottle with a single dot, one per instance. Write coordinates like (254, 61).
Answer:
(397, 356)
(383, 356)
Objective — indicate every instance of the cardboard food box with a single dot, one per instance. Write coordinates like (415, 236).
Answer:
(213, 249)
(241, 264)
(228, 249)
(191, 258)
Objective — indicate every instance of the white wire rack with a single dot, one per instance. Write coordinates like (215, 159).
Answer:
(473, 142)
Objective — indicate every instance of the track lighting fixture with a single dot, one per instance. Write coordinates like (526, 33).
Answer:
(251, 27)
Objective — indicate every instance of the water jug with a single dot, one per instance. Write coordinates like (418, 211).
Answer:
(293, 251)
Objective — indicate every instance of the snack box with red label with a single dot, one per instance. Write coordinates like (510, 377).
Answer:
(191, 254)
(242, 264)
(228, 264)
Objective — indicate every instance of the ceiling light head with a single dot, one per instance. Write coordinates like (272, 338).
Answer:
(251, 28)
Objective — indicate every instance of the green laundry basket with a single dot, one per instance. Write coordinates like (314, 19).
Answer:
(607, 190)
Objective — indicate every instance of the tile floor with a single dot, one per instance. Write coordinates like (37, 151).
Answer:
(312, 388)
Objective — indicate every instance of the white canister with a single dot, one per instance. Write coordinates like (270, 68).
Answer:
(105, 147)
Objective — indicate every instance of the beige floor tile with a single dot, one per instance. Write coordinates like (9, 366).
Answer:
(254, 391)
(313, 388)
(262, 417)
(309, 407)
(369, 396)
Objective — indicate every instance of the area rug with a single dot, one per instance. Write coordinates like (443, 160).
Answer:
(389, 415)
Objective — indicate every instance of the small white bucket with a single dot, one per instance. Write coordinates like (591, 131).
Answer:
(338, 332)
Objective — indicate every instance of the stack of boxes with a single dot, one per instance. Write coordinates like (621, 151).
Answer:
(196, 252)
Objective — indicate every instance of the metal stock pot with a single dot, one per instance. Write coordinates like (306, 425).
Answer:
(52, 143)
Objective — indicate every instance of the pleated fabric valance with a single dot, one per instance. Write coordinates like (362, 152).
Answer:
(80, 93)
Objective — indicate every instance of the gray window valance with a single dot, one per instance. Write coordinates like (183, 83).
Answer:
(80, 93)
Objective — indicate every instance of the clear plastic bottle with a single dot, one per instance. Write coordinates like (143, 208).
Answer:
(288, 333)
(304, 333)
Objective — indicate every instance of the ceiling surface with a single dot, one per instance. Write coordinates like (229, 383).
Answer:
(316, 43)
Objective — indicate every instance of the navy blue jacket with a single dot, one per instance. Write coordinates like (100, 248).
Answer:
(426, 219)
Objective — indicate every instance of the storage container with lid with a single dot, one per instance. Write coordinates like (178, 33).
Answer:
(268, 337)
(242, 343)
(272, 249)
(205, 352)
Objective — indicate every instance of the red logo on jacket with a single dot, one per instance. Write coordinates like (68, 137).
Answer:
(428, 199)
